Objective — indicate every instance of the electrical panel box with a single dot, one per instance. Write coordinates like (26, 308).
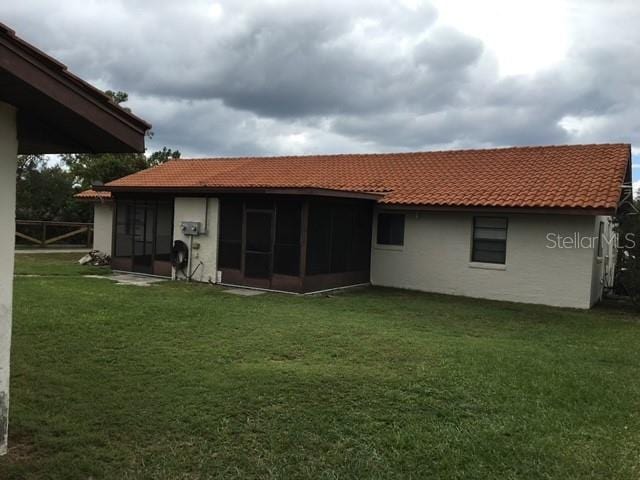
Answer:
(191, 229)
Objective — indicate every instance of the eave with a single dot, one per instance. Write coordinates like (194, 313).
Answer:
(57, 111)
(322, 192)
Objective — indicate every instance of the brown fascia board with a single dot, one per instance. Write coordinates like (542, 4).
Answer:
(358, 195)
(499, 210)
(42, 72)
(323, 192)
(93, 200)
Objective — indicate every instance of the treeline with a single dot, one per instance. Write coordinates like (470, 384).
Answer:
(45, 191)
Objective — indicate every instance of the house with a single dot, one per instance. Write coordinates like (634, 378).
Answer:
(524, 224)
(45, 109)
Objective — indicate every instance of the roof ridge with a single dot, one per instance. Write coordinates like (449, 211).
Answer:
(408, 153)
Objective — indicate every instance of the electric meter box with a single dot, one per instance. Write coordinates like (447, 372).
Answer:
(191, 229)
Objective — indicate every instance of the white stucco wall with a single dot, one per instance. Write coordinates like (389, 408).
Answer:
(8, 164)
(195, 210)
(103, 227)
(436, 257)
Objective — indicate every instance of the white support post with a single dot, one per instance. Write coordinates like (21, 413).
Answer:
(8, 163)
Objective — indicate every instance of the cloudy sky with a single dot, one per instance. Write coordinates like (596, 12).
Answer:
(279, 77)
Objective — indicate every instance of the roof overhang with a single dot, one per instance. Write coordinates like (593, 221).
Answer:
(91, 196)
(500, 210)
(191, 191)
(320, 192)
(57, 111)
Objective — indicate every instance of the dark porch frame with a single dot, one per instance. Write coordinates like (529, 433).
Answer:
(305, 280)
(158, 266)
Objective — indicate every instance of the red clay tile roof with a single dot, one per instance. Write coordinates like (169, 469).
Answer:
(572, 176)
(92, 195)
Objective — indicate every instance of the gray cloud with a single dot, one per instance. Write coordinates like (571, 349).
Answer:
(262, 77)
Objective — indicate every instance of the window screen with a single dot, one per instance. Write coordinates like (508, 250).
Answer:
(343, 218)
(259, 232)
(390, 229)
(124, 229)
(339, 237)
(164, 231)
(258, 241)
(230, 248)
(489, 239)
(319, 239)
(144, 229)
(257, 265)
(287, 245)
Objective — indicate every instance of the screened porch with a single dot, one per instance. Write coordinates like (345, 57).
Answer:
(294, 243)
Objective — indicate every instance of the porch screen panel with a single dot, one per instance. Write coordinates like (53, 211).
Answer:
(125, 216)
(342, 238)
(339, 238)
(361, 244)
(164, 231)
(287, 242)
(258, 251)
(319, 239)
(230, 248)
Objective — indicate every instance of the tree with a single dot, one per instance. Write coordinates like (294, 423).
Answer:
(118, 97)
(88, 169)
(29, 163)
(45, 192)
(161, 156)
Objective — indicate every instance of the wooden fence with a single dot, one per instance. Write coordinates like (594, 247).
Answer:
(38, 234)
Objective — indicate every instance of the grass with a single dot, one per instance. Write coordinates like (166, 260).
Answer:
(54, 264)
(183, 381)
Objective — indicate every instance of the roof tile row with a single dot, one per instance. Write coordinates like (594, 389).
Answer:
(575, 176)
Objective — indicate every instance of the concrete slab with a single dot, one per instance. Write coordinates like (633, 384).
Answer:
(244, 292)
(130, 279)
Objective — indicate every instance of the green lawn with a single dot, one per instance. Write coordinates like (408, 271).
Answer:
(184, 381)
(54, 264)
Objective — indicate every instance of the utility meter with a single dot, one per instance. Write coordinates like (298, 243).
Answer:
(191, 229)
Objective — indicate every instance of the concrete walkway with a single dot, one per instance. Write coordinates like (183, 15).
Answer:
(129, 279)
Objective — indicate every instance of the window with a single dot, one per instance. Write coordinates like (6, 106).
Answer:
(390, 229)
(489, 240)
(600, 235)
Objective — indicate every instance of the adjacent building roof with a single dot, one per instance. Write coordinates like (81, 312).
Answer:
(93, 196)
(562, 177)
(57, 112)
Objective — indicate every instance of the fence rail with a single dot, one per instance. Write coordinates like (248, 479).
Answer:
(33, 233)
